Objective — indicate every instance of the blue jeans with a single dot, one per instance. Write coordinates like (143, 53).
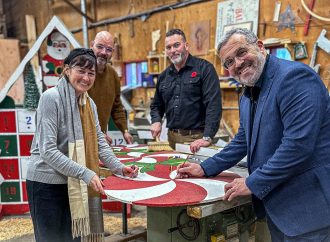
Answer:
(50, 212)
(321, 235)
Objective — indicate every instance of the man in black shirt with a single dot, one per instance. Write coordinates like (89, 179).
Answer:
(188, 93)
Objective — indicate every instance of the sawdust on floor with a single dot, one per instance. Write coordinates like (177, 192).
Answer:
(17, 227)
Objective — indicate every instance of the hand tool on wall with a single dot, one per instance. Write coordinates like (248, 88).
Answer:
(308, 19)
(314, 14)
(323, 43)
(286, 19)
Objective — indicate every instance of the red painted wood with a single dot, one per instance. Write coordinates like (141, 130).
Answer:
(25, 142)
(15, 209)
(7, 122)
(116, 207)
(184, 193)
(24, 192)
(9, 168)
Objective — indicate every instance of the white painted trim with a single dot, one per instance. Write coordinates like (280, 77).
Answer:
(55, 23)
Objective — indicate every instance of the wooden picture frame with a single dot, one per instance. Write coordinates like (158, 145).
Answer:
(244, 25)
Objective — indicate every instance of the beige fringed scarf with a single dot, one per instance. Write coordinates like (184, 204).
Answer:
(85, 204)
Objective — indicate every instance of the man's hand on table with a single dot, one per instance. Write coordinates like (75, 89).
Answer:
(155, 129)
(197, 144)
(188, 169)
(128, 137)
(236, 188)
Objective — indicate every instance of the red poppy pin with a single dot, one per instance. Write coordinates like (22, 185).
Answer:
(194, 74)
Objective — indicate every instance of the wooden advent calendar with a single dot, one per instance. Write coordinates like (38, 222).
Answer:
(17, 127)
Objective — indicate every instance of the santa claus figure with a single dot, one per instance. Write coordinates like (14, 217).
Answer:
(58, 48)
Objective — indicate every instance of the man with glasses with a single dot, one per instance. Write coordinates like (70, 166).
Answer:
(106, 89)
(188, 93)
(285, 134)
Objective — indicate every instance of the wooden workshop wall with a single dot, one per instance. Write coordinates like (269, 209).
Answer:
(268, 29)
(9, 60)
(15, 16)
(137, 47)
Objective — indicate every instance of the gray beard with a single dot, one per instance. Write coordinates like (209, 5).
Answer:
(178, 60)
(260, 66)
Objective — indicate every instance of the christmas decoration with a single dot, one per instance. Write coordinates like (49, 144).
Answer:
(58, 48)
(32, 95)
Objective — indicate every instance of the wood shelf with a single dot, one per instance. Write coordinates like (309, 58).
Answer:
(156, 64)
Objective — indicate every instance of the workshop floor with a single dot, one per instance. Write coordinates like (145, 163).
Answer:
(20, 229)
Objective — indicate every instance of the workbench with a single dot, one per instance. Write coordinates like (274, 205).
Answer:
(180, 210)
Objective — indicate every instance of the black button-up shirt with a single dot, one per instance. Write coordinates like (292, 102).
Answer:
(190, 97)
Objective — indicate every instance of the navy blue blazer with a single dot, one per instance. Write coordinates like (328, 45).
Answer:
(289, 152)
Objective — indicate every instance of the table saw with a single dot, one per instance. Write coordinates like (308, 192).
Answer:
(180, 210)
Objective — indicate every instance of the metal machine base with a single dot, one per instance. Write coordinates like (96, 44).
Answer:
(172, 224)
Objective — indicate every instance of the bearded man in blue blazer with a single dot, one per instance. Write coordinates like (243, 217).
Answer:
(285, 133)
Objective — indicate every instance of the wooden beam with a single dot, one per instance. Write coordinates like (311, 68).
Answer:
(31, 39)
(78, 10)
(146, 13)
(201, 211)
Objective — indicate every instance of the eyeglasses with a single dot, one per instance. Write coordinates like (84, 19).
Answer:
(241, 52)
(102, 47)
(83, 71)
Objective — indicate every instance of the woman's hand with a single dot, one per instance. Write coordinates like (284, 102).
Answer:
(131, 171)
(97, 184)
(108, 139)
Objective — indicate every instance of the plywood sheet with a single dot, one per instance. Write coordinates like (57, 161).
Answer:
(156, 184)
(9, 60)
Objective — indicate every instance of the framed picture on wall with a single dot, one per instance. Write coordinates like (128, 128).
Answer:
(200, 37)
(246, 25)
(232, 12)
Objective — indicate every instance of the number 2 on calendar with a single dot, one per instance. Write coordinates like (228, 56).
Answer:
(28, 120)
